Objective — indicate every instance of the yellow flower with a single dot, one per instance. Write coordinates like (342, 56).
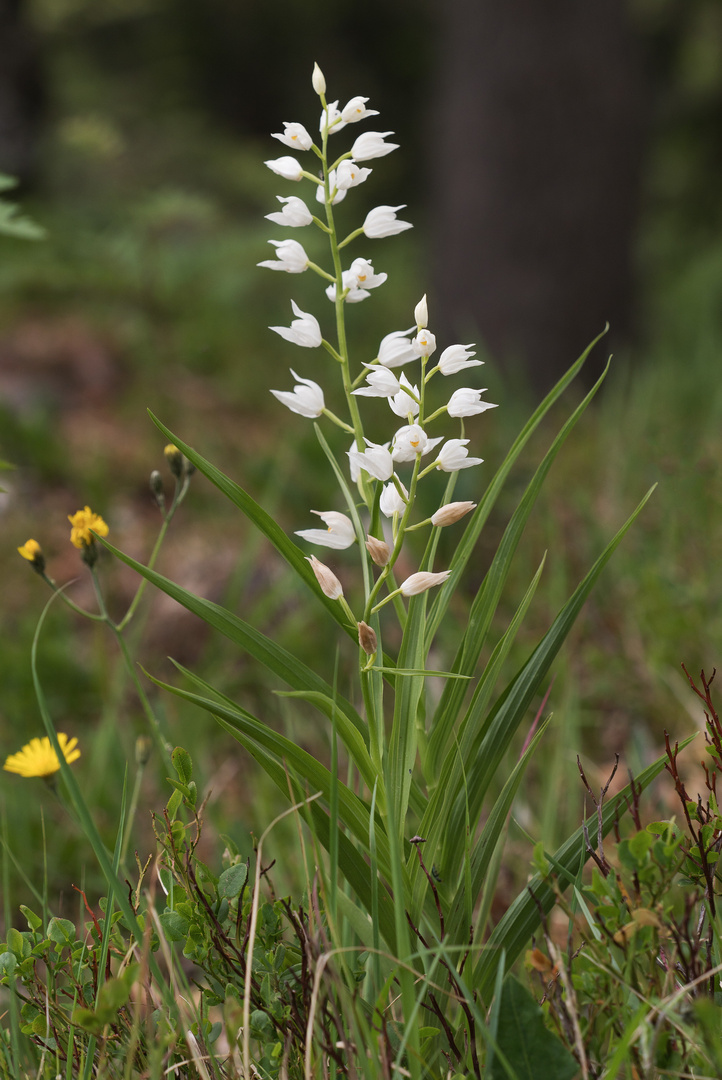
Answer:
(32, 551)
(38, 758)
(82, 522)
(175, 459)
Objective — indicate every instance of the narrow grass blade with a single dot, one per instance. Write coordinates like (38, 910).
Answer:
(517, 925)
(478, 520)
(487, 598)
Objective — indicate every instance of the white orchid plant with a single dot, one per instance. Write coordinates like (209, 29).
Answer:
(374, 468)
(422, 766)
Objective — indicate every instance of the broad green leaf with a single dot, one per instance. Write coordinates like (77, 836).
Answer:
(520, 921)
(273, 656)
(530, 1048)
(478, 520)
(232, 880)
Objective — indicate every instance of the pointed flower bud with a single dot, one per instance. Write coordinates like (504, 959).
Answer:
(287, 167)
(175, 460)
(421, 313)
(367, 639)
(295, 213)
(382, 221)
(379, 550)
(330, 585)
(467, 402)
(371, 145)
(456, 358)
(306, 398)
(422, 581)
(156, 486)
(32, 551)
(454, 511)
(304, 330)
(317, 80)
(391, 502)
(454, 456)
(291, 257)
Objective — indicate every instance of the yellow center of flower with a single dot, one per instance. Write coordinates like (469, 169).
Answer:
(82, 522)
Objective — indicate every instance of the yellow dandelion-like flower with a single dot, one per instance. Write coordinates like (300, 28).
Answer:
(32, 551)
(38, 758)
(82, 522)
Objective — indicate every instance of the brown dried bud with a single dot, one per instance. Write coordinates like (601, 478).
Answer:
(330, 585)
(447, 515)
(367, 639)
(379, 550)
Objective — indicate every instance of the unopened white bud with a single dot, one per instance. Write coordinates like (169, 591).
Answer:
(318, 81)
(330, 585)
(367, 639)
(447, 515)
(421, 313)
(379, 550)
(422, 581)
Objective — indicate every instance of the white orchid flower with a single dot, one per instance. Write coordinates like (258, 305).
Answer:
(291, 257)
(371, 145)
(295, 136)
(382, 221)
(340, 193)
(304, 330)
(381, 383)
(295, 213)
(349, 175)
(402, 403)
(306, 398)
(409, 441)
(376, 461)
(454, 456)
(422, 581)
(350, 282)
(424, 343)
(366, 277)
(339, 533)
(456, 358)
(395, 349)
(467, 402)
(287, 167)
(391, 502)
(355, 110)
(331, 119)
(353, 467)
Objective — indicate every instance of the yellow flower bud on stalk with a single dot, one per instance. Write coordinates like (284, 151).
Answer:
(32, 551)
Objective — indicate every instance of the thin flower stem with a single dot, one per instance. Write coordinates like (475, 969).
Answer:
(339, 423)
(157, 734)
(66, 600)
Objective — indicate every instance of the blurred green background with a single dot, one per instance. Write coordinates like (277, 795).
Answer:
(138, 130)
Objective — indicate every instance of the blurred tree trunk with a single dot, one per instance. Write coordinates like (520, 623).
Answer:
(21, 92)
(540, 141)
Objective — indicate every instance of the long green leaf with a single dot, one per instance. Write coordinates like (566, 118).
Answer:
(477, 521)
(523, 916)
(486, 601)
(515, 702)
(403, 739)
(273, 656)
(352, 810)
(434, 823)
(262, 521)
